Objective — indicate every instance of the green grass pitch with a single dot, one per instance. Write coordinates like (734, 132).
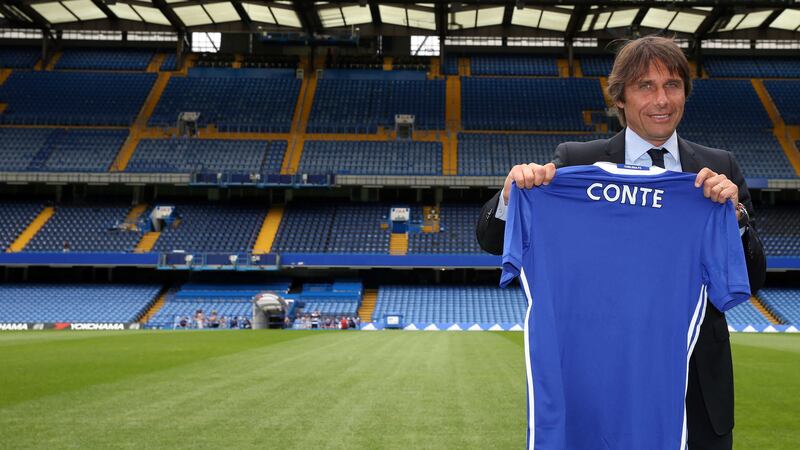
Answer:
(295, 389)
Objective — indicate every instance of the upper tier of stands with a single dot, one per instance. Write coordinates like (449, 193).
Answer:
(752, 67)
(59, 150)
(207, 155)
(745, 314)
(786, 95)
(91, 59)
(529, 104)
(44, 303)
(779, 229)
(85, 229)
(730, 106)
(494, 154)
(212, 228)
(15, 217)
(514, 65)
(596, 66)
(783, 302)
(226, 299)
(170, 62)
(451, 304)
(758, 153)
(19, 57)
(361, 106)
(371, 158)
(74, 98)
(240, 104)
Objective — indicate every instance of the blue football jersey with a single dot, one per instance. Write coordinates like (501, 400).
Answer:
(617, 263)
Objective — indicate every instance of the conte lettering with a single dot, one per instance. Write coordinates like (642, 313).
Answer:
(626, 195)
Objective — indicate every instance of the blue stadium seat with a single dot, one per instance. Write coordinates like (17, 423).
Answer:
(371, 158)
(85, 229)
(191, 155)
(784, 303)
(209, 228)
(14, 218)
(94, 59)
(786, 96)
(779, 229)
(19, 57)
(514, 65)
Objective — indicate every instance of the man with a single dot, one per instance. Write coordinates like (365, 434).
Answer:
(649, 84)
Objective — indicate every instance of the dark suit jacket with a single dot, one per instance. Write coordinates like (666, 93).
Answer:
(712, 353)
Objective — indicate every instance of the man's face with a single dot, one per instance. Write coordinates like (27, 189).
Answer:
(654, 104)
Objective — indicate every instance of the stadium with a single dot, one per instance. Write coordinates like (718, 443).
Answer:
(177, 175)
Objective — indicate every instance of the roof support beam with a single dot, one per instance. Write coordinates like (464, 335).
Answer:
(246, 20)
(375, 11)
(173, 19)
(38, 19)
(308, 16)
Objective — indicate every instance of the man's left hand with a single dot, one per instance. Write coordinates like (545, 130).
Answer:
(717, 187)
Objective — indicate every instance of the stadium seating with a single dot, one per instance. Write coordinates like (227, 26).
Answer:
(209, 228)
(14, 218)
(495, 154)
(456, 235)
(170, 63)
(207, 155)
(90, 59)
(758, 153)
(59, 150)
(745, 314)
(337, 299)
(786, 96)
(451, 304)
(514, 65)
(779, 229)
(85, 229)
(74, 98)
(19, 57)
(450, 65)
(371, 158)
(596, 66)
(529, 104)
(743, 67)
(241, 104)
(361, 106)
(75, 302)
(333, 228)
(228, 300)
(724, 106)
(784, 303)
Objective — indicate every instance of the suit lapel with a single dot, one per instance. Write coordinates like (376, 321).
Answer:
(615, 148)
(688, 161)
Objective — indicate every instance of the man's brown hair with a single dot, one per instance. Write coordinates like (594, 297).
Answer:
(633, 62)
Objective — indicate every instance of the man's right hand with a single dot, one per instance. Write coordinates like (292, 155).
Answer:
(528, 176)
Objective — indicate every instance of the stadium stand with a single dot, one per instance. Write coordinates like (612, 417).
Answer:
(331, 299)
(170, 62)
(779, 229)
(74, 98)
(456, 234)
(14, 217)
(745, 314)
(333, 228)
(271, 61)
(371, 158)
(59, 150)
(91, 59)
(361, 106)
(596, 66)
(229, 300)
(95, 228)
(758, 153)
(751, 67)
(494, 154)
(419, 63)
(75, 302)
(206, 155)
(19, 57)
(529, 104)
(357, 62)
(784, 303)
(210, 228)
(743, 111)
(215, 60)
(241, 104)
(786, 96)
(451, 304)
(514, 65)
(450, 66)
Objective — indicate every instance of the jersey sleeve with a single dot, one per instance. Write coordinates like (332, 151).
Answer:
(516, 239)
(724, 267)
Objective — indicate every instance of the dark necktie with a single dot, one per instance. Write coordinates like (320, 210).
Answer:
(657, 155)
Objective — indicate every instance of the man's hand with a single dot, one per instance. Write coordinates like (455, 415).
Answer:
(528, 176)
(717, 187)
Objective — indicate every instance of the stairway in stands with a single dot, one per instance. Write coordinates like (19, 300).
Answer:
(368, 305)
(30, 231)
(269, 229)
(764, 311)
(398, 244)
(157, 305)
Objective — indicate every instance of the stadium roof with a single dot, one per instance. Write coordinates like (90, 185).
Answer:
(704, 19)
